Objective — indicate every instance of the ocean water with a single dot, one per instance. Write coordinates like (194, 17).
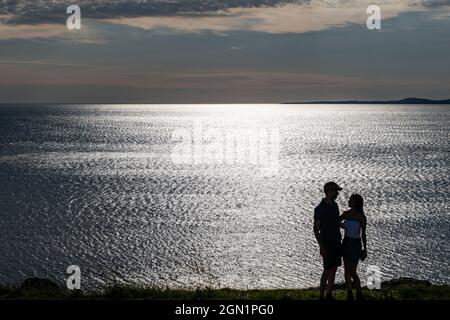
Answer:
(98, 186)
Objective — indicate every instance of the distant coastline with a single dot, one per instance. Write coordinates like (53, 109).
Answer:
(422, 101)
(402, 101)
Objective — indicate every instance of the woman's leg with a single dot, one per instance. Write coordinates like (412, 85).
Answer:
(347, 274)
(355, 277)
(348, 279)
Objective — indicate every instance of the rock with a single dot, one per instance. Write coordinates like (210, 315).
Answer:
(39, 284)
(404, 281)
(391, 283)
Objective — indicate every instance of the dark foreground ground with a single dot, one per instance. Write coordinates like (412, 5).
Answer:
(399, 289)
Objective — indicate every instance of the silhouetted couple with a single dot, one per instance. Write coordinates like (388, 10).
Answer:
(327, 224)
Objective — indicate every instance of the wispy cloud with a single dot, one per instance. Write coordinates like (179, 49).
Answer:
(33, 72)
(44, 30)
(36, 62)
(57, 31)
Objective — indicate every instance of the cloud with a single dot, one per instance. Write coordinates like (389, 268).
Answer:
(59, 31)
(57, 74)
(50, 73)
(31, 19)
(34, 83)
(44, 30)
(36, 12)
(435, 3)
(315, 15)
(32, 11)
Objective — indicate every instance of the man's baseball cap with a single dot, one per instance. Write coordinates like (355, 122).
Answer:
(331, 186)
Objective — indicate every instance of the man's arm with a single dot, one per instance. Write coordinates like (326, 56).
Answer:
(318, 237)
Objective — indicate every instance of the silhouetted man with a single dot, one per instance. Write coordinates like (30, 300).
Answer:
(328, 235)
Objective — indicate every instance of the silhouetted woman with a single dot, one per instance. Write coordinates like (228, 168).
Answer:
(354, 223)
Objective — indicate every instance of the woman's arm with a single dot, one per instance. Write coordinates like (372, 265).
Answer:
(343, 216)
(363, 231)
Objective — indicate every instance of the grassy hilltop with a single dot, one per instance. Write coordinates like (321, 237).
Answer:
(400, 289)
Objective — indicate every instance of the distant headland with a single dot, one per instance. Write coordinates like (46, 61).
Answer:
(402, 101)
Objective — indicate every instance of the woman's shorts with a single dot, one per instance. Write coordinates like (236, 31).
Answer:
(351, 249)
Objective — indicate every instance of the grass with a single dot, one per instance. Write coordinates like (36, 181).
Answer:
(399, 292)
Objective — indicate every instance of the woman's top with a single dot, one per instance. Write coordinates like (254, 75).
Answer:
(352, 228)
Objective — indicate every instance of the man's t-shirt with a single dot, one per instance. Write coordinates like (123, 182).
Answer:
(328, 215)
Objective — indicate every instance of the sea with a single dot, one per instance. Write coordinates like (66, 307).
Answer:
(189, 196)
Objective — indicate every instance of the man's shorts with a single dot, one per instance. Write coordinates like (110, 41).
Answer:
(333, 256)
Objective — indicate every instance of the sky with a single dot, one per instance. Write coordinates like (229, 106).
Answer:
(211, 51)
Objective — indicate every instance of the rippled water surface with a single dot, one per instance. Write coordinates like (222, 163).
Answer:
(96, 186)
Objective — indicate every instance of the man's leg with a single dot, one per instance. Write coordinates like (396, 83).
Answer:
(330, 284)
(323, 282)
